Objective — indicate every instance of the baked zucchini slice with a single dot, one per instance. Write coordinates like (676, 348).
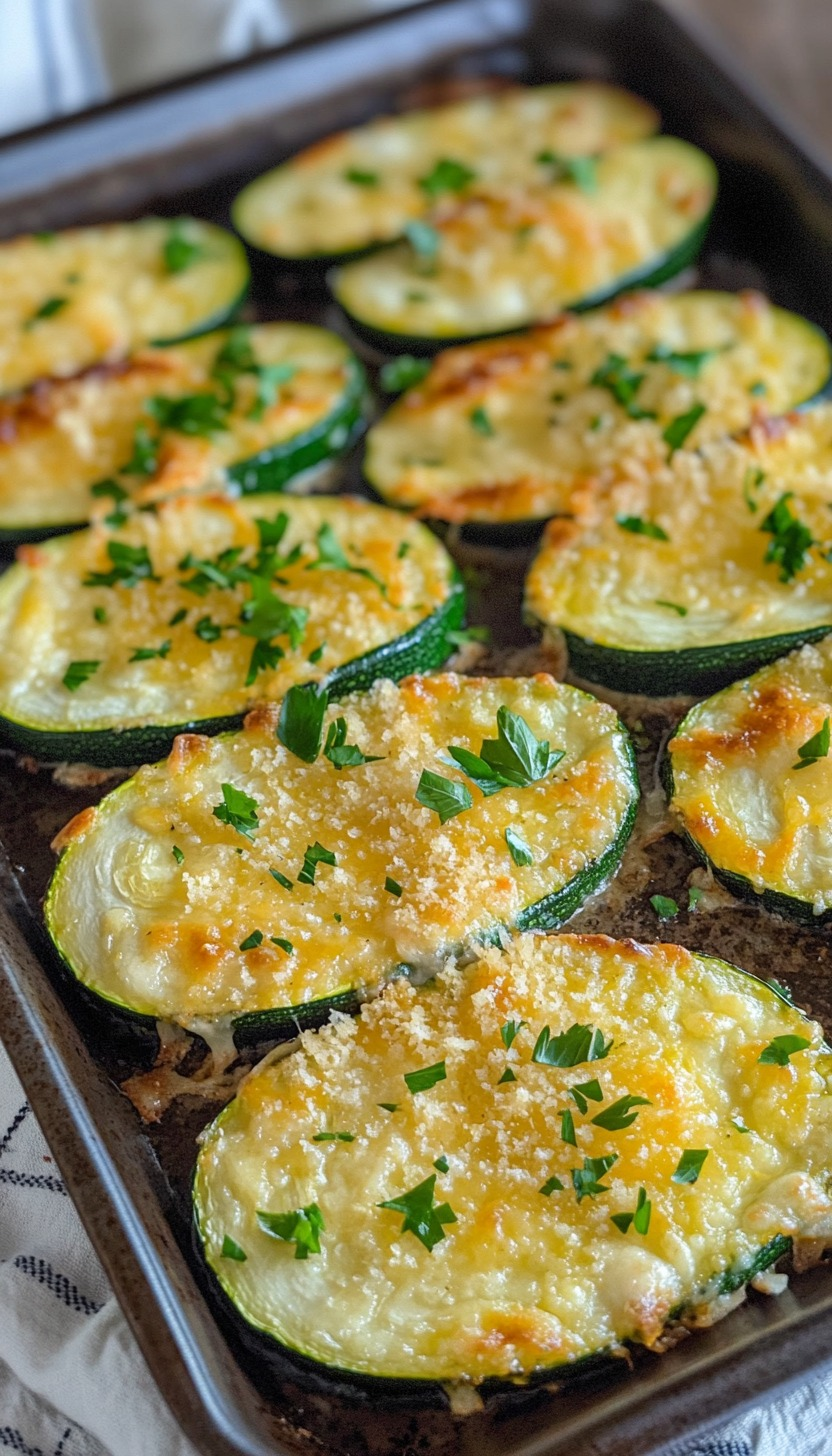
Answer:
(115, 639)
(712, 566)
(500, 259)
(750, 779)
(70, 299)
(509, 430)
(263, 404)
(359, 188)
(257, 882)
(664, 1134)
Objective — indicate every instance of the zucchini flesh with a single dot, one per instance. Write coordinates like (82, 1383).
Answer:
(510, 429)
(385, 611)
(762, 822)
(523, 1280)
(166, 939)
(700, 604)
(498, 259)
(70, 299)
(63, 440)
(359, 188)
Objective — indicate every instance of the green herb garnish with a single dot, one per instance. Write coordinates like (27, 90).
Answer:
(46, 310)
(639, 527)
(679, 428)
(459, 636)
(302, 1228)
(584, 1090)
(269, 379)
(686, 362)
(281, 879)
(252, 941)
(177, 854)
(664, 906)
(190, 414)
(285, 945)
(619, 1114)
(238, 810)
(447, 175)
(508, 1076)
(690, 1165)
(425, 1077)
(342, 754)
(623, 384)
(694, 896)
(330, 554)
(792, 538)
(178, 250)
(509, 1030)
(421, 1216)
(100, 614)
(552, 1185)
(361, 178)
(672, 607)
(481, 421)
(402, 373)
(424, 240)
(815, 748)
(231, 1250)
(315, 855)
(441, 1164)
(301, 723)
(516, 758)
(131, 564)
(518, 848)
(445, 797)
(78, 673)
(145, 654)
(567, 1127)
(640, 1218)
(587, 1180)
(583, 171)
(392, 887)
(144, 458)
(334, 1137)
(781, 1048)
(570, 1048)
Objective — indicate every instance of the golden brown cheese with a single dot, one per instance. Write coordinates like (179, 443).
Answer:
(164, 936)
(737, 786)
(521, 1280)
(363, 186)
(513, 428)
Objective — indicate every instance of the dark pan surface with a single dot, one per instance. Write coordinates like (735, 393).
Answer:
(202, 140)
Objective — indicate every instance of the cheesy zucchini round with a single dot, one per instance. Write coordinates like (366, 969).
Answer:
(715, 564)
(501, 258)
(509, 430)
(260, 405)
(70, 299)
(274, 873)
(117, 638)
(750, 780)
(362, 187)
(663, 1135)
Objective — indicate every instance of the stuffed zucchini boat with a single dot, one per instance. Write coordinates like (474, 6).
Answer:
(117, 638)
(70, 299)
(263, 405)
(272, 874)
(509, 430)
(501, 259)
(563, 1147)
(359, 188)
(713, 566)
(750, 780)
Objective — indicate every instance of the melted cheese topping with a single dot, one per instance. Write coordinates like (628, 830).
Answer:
(47, 621)
(552, 428)
(609, 585)
(735, 783)
(521, 1280)
(117, 289)
(164, 938)
(313, 204)
(62, 436)
(511, 255)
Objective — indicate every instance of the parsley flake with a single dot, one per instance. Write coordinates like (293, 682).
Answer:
(516, 758)
(252, 941)
(360, 178)
(424, 240)
(781, 1048)
(587, 1180)
(508, 1076)
(689, 1166)
(623, 383)
(334, 1137)
(331, 554)
(481, 421)
(285, 945)
(665, 907)
(552, 1185)
(509, 1030)
(144, 654)
(302, 1228)
(791, 538)
(445, 797)
(281, 879)
(441, 1164)
(422, 1216)
(570, 1048)
(567, 1127)
(694, 896)
(179, 251)
(518, 848)
(582, 171)
(238, 810)
(178, 616)
(315, 855)
(100, 614)
(177, 854)
(672, 607)
(637, 526)
(402, 373)
(620, 1114)
(48, 309)
(584, 1090)
(447, 175)
(231, 1250)
(392, 887)
(460, 636)
(207, 630)
(815, 748)
(389, 1106)
(300, 726)
(639, 1219)
(130, 565)
(78, 673)
(189, 414)
(676, 433)
(342, 754)
(688, 363)
(425, 1078)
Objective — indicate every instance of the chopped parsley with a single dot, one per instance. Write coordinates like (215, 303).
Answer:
(791, 538)
(445, 797)
(48, 309)
(552, 1185)
(740, 1126)
(238, 810)
(389, 1106)
(392, 887)
(424, 240)
(752, 480)
(672, 607)
(620, 1114)
(508, 1076)
(284, 945)
(207, 630)
(694, 896)
(425, 1077)
(78, 673)
(315, 855)
(144, 654)
(584, 1090)
(179, 252)
(481, 421)
(676, 433)
(331, 554)
(664, 906)
(264, 617)
(144, 459)
(583, 171)
(639, 527)
(441, 1164)
(759, 387)
(690, 1165)
(316, 655)
(342, 754)
(447, 175)
(587, 1180)
(303, 1228)
(130, 565)
(422, 1216)
(781, 1048)
(177, 854)
(252, 941)
(300, 726)
(334, 1137)
(178, 616)
(567, 1127)
(518, 848)
(360, 178)
(231, 1250)
(570, 1048)
(100, 614)
(639, 1219)
(189, 414)
(782, 991)
(402, 373)
(509, 1030)
(623, 384)
(515, 759)
(689, 363)
(459, 636)
(111, 490)
(269, 379)
(815, 748)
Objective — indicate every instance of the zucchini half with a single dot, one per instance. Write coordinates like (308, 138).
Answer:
(70, 299)
(509, 430)
(752, 798)
(536, 1260)
(238, 925)
(359, 188)
(115, 640)
(501, 259)
(292, 400)
(716, 564)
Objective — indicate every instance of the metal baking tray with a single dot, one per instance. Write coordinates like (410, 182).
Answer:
(189, 147)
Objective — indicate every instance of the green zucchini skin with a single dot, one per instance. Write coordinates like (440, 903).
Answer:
(423, 649)
(690, 672)
(655, 272)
